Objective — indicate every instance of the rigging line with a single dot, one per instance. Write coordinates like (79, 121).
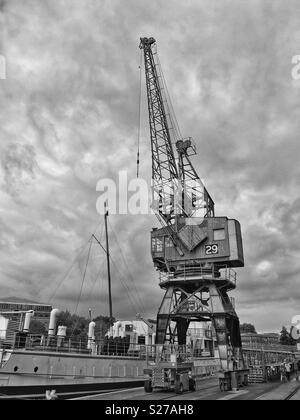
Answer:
(99, 243)
(134, 303)
(101, 270)
(97, 226)
(169, 102)
(101, 232)
(141, 303)
(102, 310)
(72, 264)
(68, 271)
(84, 275)
(101, 279)
(99, 264)
(138, 300)
(78, 300)
(173, 118)
(131, 298)
(139, 119)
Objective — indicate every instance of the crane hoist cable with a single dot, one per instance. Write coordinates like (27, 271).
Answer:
(139, 119)
(169, 105)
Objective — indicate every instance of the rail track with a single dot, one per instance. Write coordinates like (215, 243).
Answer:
(292, 394)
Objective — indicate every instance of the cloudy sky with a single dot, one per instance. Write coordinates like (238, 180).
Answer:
(69, 117)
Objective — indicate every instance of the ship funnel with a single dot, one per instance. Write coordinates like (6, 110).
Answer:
(27, 321)
(91, 335)
(52, 324)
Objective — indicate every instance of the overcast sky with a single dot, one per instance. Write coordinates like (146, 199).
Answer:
(69, 117)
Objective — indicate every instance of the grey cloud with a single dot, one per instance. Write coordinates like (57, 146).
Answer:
(18, 162)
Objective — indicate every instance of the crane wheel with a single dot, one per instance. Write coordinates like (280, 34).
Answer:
(148, 386)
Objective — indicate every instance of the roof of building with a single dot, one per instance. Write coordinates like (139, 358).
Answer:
(265, 335)
(13, 299)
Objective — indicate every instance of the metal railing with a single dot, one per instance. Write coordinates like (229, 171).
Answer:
(105, 347)
(186, 272)
(269, 347)
(117, 347)
(109, 347)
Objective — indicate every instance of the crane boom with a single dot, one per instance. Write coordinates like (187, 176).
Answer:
(177, 189)
(164, 169)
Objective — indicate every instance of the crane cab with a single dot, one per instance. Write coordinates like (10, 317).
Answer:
(209, 240)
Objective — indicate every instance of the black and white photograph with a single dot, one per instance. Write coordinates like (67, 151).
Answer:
(149, 203)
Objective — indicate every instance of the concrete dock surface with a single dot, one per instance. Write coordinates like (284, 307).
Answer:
(208, 389)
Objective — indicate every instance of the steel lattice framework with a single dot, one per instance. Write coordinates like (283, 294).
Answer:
(177, 189)
(164, 169)
(195, 196)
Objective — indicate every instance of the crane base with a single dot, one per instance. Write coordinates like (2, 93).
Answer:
(233, 380)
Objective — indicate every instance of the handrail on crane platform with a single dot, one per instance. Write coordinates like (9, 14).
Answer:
(186, 272)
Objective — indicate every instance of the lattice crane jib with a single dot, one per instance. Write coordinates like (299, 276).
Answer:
(194, 251)
(178, 192)
(164, 169)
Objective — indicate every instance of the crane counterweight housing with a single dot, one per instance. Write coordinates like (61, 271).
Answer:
(194, 251)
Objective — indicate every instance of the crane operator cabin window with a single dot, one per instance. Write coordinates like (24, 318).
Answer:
(219, 234)
(157, 245)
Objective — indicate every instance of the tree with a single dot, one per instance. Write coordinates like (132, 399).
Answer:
(102, 325)
(247, 328)
(285, 338)
(77, 326)
(37, 327)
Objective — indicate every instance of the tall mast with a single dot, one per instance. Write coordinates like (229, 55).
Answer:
(108, 266)
(106, 250)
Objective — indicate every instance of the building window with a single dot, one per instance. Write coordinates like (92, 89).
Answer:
(128, 328)
(141, 339)
(219, 234)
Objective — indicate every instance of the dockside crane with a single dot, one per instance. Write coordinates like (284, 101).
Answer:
(194, 251)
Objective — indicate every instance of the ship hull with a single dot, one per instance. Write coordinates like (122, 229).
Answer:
(32, 373)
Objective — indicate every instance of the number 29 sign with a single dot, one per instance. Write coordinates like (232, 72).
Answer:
(211, 249)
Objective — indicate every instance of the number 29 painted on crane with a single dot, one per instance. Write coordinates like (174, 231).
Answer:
(211, 249)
